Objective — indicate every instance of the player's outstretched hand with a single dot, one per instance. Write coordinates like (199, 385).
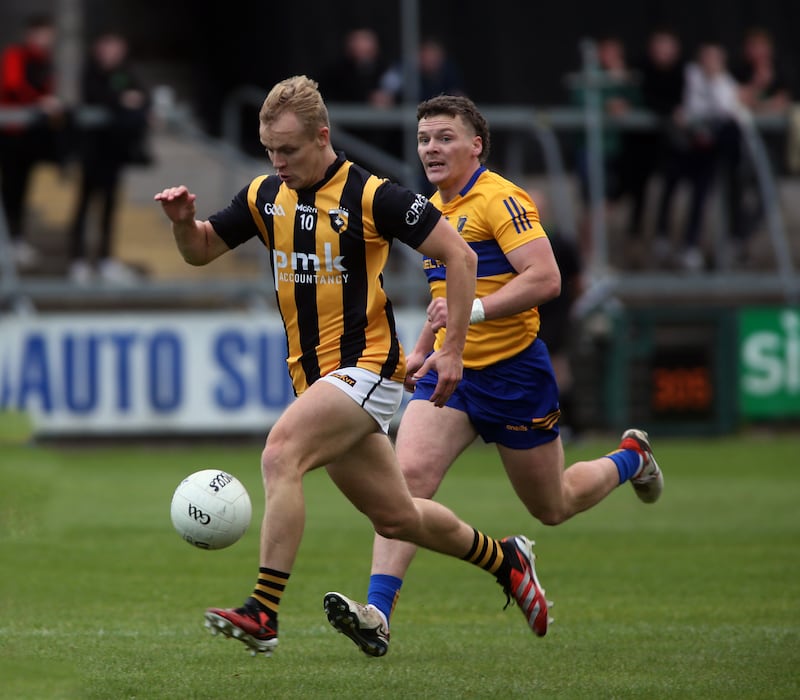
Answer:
(178, 203)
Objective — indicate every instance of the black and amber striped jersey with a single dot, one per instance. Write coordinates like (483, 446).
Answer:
(329, 245)
(494, 216)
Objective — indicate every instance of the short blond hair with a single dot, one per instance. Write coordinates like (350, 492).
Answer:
(300, 95)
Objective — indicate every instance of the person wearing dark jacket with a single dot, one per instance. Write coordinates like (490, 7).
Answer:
(105, 149)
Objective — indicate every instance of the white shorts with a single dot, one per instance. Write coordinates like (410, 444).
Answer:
(378, 396)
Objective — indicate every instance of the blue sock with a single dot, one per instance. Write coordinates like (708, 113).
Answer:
(383, 592)
(628, 463)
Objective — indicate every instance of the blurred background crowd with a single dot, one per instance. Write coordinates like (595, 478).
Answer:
(697, 73)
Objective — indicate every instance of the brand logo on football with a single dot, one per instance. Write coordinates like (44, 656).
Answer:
(199, 515)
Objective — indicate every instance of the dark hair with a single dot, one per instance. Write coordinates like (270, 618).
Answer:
(458, 106)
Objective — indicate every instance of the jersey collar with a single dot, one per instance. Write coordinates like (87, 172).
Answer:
(472, 180)
(329, 173)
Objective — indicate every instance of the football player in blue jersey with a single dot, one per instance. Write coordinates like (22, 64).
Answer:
(508, 395)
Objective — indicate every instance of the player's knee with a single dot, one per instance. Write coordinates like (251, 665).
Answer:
(274, 460)
(551, 516)
(421, 482)
(268, 463)
(399, 527)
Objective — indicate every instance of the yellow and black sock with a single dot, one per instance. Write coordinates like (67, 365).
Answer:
(488, 553)
(269, 590)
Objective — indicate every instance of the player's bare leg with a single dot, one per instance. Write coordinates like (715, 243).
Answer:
(435, 527)
(550, 493)
(424, 458)
(314, 430)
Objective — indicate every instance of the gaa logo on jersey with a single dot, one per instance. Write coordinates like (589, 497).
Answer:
(339, 219)
(272, 209)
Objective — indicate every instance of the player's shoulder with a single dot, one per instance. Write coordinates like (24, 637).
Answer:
(496, 191)
(493, 183)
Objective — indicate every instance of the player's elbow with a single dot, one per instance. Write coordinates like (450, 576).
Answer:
(196, 253)
(462, 264)
(551, 286)
(194, 259)
(461, 256)
(547, 283)
(193, 256)
(471, 259)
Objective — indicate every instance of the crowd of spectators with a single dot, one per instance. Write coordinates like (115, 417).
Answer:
(45, 129)
(702, 99)
(699, 95)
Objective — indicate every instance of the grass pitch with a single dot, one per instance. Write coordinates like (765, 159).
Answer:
(697, 596)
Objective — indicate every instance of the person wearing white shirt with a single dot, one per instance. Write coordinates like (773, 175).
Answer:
(711, 112)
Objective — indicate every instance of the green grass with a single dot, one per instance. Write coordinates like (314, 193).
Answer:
(695, 597)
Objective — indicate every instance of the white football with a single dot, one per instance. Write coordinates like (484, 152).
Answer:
(211, 509)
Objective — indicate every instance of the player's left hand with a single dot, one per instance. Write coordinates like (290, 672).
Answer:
(414, 360)
(449, 367)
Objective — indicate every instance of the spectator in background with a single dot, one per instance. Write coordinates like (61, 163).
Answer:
(556, 324)
(356, 75)
(27, 80)
(438, 73)
(355, 78)
(764, 85)
(619, 94)
(661, 74)
(764, 90)
(105, 148)
(710, 114)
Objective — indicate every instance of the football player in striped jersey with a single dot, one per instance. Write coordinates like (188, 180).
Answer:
(328, 225)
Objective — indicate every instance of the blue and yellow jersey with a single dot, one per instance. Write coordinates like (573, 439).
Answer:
(494, 216)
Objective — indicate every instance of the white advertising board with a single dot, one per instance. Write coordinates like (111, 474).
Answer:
(150, 373)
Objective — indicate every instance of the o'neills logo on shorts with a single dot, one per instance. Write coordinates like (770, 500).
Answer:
(345, 378)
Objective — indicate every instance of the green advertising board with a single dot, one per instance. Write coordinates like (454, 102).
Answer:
(769, 362)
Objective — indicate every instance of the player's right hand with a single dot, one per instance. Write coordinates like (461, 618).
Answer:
(178, 203)
(449, 367)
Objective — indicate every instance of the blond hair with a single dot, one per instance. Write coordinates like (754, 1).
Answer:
(299, 95)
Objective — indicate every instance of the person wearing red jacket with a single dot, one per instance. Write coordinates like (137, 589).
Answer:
(26, 80)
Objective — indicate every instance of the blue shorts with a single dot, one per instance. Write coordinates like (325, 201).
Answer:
(513, 403)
